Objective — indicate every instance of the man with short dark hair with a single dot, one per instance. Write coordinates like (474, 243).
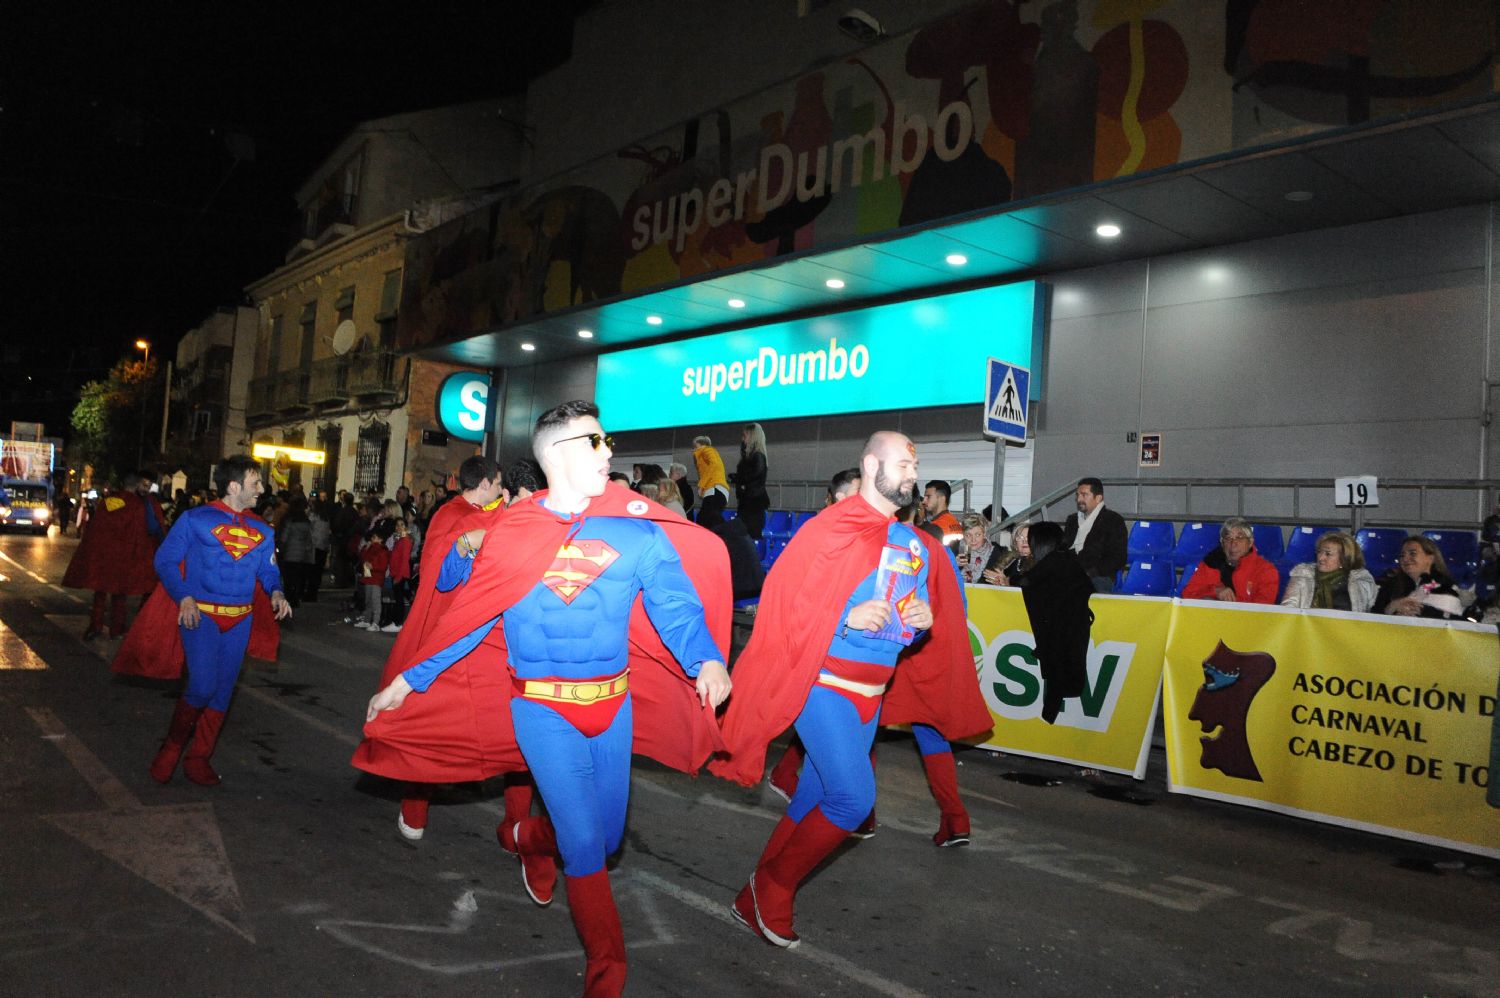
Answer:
(1097, 535)
(209, 565)
(572, 562)
(843, 485)
(524, 479)
(935, 500)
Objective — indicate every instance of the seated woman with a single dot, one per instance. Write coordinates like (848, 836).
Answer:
(1006, 566)
(1338, 579)
(1233, 572)
(1420, 585)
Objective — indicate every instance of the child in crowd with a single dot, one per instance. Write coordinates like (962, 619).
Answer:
(374, 560)
(399, 573)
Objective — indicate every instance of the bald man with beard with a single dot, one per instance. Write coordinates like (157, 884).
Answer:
(853, 590)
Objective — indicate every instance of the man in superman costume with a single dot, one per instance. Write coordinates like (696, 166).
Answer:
(209, 565)
(455, 739)
(608, 605)
(851, 592)
(114, 557)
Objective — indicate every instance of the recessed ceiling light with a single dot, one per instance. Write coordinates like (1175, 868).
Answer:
(653, 320)
(585, 334)
(1108, 230)
(1299, 195)
(956, 259)
(834, 283)
(528, 347)
(736, 303)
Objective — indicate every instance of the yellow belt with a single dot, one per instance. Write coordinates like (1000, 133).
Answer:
(219, 610)
(863, 689)
(564, 691)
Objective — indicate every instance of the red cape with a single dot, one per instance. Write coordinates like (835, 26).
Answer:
(801, 605)
(443, 735)
(153, 645)
(115, 553)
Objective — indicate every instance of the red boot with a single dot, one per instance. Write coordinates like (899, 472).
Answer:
(598, 925)
(536, 844)
(942, 779)
(205, 736)
(165, 763)
(519, 792)
(412, 821)
(773, 887)
(743, 908)
(784, 776)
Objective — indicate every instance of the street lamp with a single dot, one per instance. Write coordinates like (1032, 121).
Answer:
(140, 445)
(146, 346)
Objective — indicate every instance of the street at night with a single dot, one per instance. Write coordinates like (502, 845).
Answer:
(290, 877)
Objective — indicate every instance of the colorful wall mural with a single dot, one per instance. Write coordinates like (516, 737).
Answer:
(1003, 101)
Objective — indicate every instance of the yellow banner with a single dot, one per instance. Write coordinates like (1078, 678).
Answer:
(1370, 722)
(1109, 727)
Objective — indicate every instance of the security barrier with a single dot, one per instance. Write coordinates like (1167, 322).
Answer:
(1376, 723)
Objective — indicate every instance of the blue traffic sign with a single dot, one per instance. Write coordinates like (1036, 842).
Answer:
(1006, 397)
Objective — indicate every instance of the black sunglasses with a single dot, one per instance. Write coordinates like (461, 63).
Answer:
(594, 439)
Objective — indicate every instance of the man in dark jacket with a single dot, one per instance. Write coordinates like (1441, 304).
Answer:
(1097, 535)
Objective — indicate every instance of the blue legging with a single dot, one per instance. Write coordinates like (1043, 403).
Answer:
(929, 742)
(585, 782)
(213, 661)
(837, 776)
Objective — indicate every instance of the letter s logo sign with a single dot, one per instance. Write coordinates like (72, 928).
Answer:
(462, 401)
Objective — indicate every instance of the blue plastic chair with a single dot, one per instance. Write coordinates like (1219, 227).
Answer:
(1151, 539)
(1149, 578)
(1195, 541)
(778, 523)
(730, 514)
(1382, 546)
(1460, 550)
(801, 518)
(1301, 547)
(774, 547)
(1268, 541)
(1187, 574)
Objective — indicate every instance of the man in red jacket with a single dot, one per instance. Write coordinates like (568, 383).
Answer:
(1234, 573)
(850, 593)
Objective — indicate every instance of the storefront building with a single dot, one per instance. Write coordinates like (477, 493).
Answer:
(1262, 233)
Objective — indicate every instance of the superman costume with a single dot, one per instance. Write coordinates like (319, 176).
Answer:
(114, 557)
(218, 557)
(597, 610)
(804, 666)
(468, 742)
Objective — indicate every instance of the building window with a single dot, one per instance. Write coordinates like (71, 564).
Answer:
(370, 458)
(203, 423)
(390, 298)
(273, 348)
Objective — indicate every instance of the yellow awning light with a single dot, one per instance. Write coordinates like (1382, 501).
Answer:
(298, 454)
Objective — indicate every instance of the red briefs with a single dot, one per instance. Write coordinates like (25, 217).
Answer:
(226, 616)
(590, 705)
(861, 683)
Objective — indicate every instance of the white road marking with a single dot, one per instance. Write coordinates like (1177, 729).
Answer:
(16, 654)
(176, 847)
(72, 596)
(22, 567)
(807, 951)
(267, 697)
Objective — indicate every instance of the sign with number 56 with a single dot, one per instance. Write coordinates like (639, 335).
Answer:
(1355, 491)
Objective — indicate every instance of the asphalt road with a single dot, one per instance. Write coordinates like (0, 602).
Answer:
(290, 877)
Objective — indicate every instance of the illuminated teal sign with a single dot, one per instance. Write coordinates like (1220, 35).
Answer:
(926, 352)
(461, 402)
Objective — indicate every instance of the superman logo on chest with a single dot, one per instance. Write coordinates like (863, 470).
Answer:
(578, 565)
(237, 539)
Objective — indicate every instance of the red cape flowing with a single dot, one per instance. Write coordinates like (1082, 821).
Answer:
(801, 605)
(153, 645)
(443, 736)
(115, 553)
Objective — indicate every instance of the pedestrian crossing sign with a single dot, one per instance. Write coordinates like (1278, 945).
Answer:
(1006, 397)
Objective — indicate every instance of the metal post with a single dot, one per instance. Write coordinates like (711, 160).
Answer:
(166, 408)
(997, 496)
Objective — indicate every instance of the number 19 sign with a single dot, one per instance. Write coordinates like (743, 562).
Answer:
(1355, 491)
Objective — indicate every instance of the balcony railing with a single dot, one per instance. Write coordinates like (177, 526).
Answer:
(373, 374)
(260, 398)
(357, 379)
(329, 384)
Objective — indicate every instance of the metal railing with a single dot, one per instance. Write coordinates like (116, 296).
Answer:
(1414, 504)
(808, 494)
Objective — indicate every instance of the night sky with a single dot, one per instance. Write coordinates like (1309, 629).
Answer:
(151, 151)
